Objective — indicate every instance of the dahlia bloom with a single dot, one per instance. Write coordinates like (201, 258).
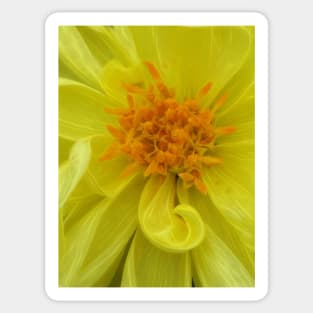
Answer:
(156, 154)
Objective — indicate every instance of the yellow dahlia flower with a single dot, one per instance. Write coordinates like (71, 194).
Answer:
(156, 153)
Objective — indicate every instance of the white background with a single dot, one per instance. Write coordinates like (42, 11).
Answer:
(21, 156)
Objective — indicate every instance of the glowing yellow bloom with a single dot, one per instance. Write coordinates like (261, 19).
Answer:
(156, 129)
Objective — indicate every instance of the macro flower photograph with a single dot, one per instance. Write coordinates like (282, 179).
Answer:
(156, 156)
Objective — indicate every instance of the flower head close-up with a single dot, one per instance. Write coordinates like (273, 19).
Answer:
(156, 156)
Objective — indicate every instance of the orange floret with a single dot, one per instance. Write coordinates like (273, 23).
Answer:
(161, 135)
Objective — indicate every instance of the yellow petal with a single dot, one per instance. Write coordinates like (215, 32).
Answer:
(231, 184)
(114, 40)
(148, 266)
(117, 278)
(144, 39)
(77, 206)
(239, 109)
(239, 106)
(239, 113)
(190, 57)
(98, 45)
(95, 243)
(105, 176)
(114, 77)
(61, 236)
(217, 222)
(64, 149)
(238, 162)
(94, 39)
(81, 111)
(234, 197)
(169, 227)
(217, 266)
(76, 57)
(72, 170)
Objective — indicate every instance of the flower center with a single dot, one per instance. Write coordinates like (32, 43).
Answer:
(161, 135)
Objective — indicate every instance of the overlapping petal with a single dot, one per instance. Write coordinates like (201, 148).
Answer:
(148, 266)
(95, 243)
(81, 111)
(192, 56)
(216, 265)
(76, 59)
(105, 176)
(214, 219)
(145, 41)
(170, 227)
(72, 171)
(233, 198)
(110, 42)
(115, 76)
(64, 149)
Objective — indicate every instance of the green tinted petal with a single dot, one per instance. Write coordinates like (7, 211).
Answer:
(216, 265)
(148, 266)
(217, 222)
(96, 43)
(95, 244)
(114, 40)
(64, 149)
(145, 41)
(105, 176)
(61, 236)
(192, 56)
(117, 278)
(76, 57)
(72, 170)
(169, 227)
(81, 111)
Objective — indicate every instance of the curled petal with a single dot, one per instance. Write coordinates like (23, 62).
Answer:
(169, 227)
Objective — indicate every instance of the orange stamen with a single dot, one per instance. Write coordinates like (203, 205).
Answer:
(204, 90)
(218, 104)
(130, 169)
(115, 132)
(134, 89)
(209, 160)
(111, 152)
(224, 130)
(157, 77)
(200, 185)
(153, 71)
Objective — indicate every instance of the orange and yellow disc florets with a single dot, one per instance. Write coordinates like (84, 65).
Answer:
(161, 135)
